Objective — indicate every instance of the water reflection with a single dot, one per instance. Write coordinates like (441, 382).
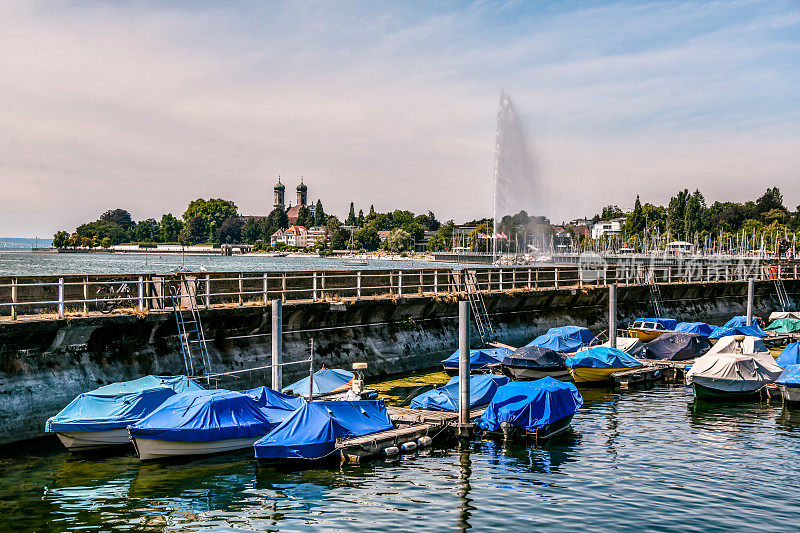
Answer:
(464, 487)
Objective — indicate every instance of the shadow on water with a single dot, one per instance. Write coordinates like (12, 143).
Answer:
(733, 416)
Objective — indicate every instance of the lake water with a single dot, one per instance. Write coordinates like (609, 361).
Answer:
(29, 263)
(639, 460)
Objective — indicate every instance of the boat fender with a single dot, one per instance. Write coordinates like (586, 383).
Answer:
(424, 441)
(408, 446)
(391, 451)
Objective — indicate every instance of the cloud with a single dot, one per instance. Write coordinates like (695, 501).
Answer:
(148, 106)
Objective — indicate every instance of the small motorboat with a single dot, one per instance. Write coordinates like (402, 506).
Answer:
(210, 422)
(629, 345)
(789, 383)
(311, 432)
(737, 326)
(481, 390)
(534, 362)
(675, 346)
(647, 329)
(564, 339)
(327, 381)
(737, 367)
(99, 418)
(789, 356)
(542, 409)
(775, 315)
(595, 365)
(479, 359)
(698, 328)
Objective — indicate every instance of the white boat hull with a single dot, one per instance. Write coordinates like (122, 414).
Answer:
(77, 441)
(164, 449)
(790, 394)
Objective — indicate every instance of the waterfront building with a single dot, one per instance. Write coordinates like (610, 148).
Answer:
(316, 235)
(607, 227)
(277, 237)
(295, 236)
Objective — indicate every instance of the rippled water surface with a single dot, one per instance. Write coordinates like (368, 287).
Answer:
(635, 460)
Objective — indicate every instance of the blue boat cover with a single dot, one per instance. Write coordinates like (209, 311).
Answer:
(530, 405)
(676, 346)
(602, 357)
(698, 328)
(739, 321)
(789, 356)
(267, 397)
(534, 357)
(118, 405)
(310, 432)
(725, 331)
(478, 358)
(564, 339)
(668, 323)
(325, 380)
(790, 376)
(481, 390)
(209, 415)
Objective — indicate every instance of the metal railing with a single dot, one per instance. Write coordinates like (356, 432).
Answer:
(83, 295)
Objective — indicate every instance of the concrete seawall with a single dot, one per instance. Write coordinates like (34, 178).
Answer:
(44, 364)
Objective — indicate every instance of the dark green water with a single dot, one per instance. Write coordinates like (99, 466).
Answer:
(644, 460)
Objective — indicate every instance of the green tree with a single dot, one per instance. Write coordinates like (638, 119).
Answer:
(676, 213)
(635, 221)
(230, 231)
(437, 243)
(106, 242)
(360, 220)
(692, 214)
(772, 199)
(367, 238)
(399, 241)
(254, 229)
(170, 228)
(213, 212)
(304, 217)
(120, 217)
(194, 231)
(276, 220)
(61, 239)
(338, 236)
(147, 231)
(319, 214)
(101, 229)
(351, 217)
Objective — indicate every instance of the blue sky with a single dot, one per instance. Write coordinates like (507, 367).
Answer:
(147, 105)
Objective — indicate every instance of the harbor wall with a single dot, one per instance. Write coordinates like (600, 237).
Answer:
(44, 364)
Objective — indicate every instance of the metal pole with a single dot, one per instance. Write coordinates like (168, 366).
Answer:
(60, 297)
(358, 285)
(612, 315)
(463, 363)
(277, 344)
(311, 374)
(85, 295)
(14, 299)
(208, 291)
(141, 294)
(751, 286)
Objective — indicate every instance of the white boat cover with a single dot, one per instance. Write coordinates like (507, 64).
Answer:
(630, 345)
(775, 315)
(724, 370)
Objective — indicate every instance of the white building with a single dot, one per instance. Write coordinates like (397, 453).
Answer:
(316, 235)
(607, 227)
(277, 237)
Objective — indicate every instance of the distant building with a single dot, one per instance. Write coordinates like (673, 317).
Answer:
(316, 235)
(296, 236)
(279, 192)
(383, 234)
(607, 227)
(562, 239)
(277, 237)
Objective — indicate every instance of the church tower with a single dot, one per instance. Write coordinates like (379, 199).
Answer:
(302, 194)
(280, 189)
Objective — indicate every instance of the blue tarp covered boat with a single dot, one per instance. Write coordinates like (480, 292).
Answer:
(789, 356)
(478, 359)
(543, 407)
(789, 383)
(99, 418)
(267, 397)
(727, 331)
(596, 364)
(481, 390)
(739, 321)
(564, 339)
(698, 328)
(208, 422)
(310, 433)
(326, 381)
(668, 323)
(534, 362)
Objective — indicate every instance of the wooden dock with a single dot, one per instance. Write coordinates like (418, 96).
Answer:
(652, 371)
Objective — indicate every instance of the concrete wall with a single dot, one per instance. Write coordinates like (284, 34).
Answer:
(44, 364)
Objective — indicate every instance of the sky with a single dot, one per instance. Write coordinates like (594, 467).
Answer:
(148, 105)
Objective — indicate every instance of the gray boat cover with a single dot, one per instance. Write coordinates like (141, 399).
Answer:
(750, 345)
(783, 314)
(724, 370)
(676, 347)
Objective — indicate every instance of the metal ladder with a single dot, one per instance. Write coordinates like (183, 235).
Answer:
(190, 330)
(773, 273)
(478, 306)
(655, 294)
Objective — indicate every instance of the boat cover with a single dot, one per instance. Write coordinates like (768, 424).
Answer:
(311, 431)
(698, 328)
(739, 321)
(478, 358)
(630, 345)
(775, 315)
(676, 347)
(790, 377)
(734, 372)
(325, 380)
(530, 405)
(602, 357)
(207, 416)
(789, 356)
(118, 405)
(749, 345)
(784, 325)
(668, 323)
(267, 397)
(534, 357)
(728, 331)
(481, 390)
(564, 339)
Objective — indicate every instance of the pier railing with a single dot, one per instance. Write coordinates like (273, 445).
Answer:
(64, 296)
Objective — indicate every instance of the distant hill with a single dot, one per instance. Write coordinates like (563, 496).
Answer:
(22, 243)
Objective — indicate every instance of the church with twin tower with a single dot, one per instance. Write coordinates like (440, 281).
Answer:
(302, 200)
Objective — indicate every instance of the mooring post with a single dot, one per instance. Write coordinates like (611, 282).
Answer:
(358, 284)
(208, 291)
(464, 425)
(85, 295)
(751, 287)
(60, 297)
(266, 290)
(141, 293)
(311, 374)
(14, 298)
(612, 315)
(277, 344)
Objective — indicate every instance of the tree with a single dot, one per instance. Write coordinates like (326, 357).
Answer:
(119, 217)
(368, 238)
(351, 218)
(213, 212)
(170, 228)
(61, 239)
(338, 236)
(194, 231)
(254, 229)
(437, 243)
(319, 214)
(676, 213)
(230, 231)
(276, 220)
(147, 231)
(304, 217)
(399, 240)
(692, 216)
(772, 199)
(101, 229)
(635, 221)
(360, 220)
(106, 242)
(433, 224)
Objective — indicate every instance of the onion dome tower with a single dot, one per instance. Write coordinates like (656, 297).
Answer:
(302, 194)
(280, 190)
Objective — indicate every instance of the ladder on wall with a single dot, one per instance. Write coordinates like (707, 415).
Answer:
(478, 306)
(773, 273)
(190, 328)
(655, 294)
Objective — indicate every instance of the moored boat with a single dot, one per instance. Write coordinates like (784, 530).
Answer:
(481, 390)
(564, 339)
(534, 362)
(542, 409)
(789, 356)
(789, 383)
(327, 381)
(675, 346)
(479, 359)
(647, 329)
(99, 418)
(595, 365)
